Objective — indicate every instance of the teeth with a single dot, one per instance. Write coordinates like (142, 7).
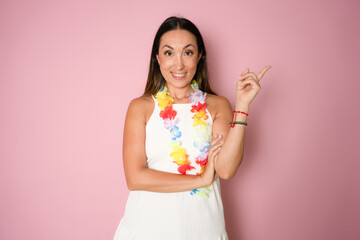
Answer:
(179, 75)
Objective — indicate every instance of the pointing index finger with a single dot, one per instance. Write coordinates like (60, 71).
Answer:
(261, 74)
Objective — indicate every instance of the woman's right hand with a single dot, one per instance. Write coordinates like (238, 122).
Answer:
(209, 174)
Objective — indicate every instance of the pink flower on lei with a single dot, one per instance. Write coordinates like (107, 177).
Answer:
(197, 96)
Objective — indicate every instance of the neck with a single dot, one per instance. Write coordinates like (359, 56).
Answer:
(180, 95)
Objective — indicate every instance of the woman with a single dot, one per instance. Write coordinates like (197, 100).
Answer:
(179, 138)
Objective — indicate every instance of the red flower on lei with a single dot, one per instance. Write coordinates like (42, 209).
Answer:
(168, 113)
(186, 167)
(199, 107)
(202, 164)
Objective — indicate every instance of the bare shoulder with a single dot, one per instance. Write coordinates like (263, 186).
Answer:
(141, 101)
(218, 105)
(141, 107)
(217, 100)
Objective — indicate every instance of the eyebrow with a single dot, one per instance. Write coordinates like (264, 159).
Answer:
(173, 48)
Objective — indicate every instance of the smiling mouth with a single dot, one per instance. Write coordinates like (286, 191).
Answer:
(178, 75)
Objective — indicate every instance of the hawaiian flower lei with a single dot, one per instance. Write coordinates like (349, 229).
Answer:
(201, 139)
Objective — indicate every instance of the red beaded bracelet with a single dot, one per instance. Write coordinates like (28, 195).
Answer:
(232, 124)
(241, 112)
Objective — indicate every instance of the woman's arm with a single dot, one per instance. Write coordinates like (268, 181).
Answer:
(232, 151)
(138, 175)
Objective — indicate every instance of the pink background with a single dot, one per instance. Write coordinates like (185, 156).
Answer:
(68, 70)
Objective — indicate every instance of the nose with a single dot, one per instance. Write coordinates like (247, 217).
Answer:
(179, 63)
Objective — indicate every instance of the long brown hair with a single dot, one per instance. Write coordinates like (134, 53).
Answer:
(155, 79)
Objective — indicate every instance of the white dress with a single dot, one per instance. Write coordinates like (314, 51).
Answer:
(172, 216)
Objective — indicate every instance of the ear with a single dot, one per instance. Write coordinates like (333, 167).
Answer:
(157, 58)
(200, 55)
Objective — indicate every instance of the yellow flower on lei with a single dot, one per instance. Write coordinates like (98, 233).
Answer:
(163, 99)
(179, 155)
(199, 117)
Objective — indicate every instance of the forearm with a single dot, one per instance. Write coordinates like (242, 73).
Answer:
(152, 180)
(231, 154)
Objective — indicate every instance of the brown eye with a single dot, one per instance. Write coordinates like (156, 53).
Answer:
(167, 53)
(188, 53)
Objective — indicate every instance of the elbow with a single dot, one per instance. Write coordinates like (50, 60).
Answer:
(132, 184)
(134, 181)
(227, 175)
(228, 172)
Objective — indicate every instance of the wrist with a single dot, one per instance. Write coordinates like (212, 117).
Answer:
(203, 182)
(240, 115)
(242, 107)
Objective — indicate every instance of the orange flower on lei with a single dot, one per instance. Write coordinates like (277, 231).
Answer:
(200, 114)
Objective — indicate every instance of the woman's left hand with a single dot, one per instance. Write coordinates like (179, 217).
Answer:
(248, 86)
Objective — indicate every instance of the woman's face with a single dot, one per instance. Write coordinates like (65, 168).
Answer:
(178, 57)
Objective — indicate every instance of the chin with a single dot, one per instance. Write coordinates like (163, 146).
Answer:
(179, 83)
